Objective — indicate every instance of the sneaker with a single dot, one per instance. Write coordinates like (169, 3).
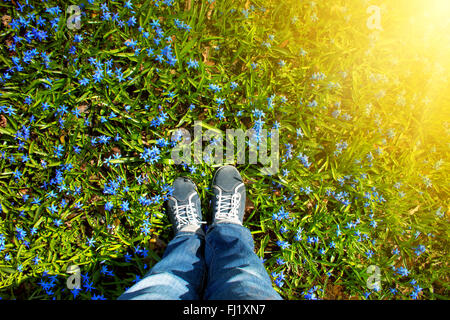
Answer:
(184, 207)
(228, 203)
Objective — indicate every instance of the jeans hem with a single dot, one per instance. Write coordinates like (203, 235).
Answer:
(198, 232)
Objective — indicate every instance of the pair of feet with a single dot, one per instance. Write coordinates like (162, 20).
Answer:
(228, 204)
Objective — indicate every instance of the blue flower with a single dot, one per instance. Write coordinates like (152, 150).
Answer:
(2, 241)
(151, 155)
(98, 76)
(283, 244)
(192, 64)
(304, 159)
(58, 150)
(83, 81)
(57, 222)
(125, 206)
(280, 215)
(91, 241)
(220, 114)
(402, 271)
(20, 234)
(132, 21)
(369, 254)
(283, 229)
(419, 250)
(128, 4)
(17, 174)
(311, 294)
(278, 278)
(88, 285)
(28, 100)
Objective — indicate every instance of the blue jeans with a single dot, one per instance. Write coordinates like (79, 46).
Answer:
(216, 266)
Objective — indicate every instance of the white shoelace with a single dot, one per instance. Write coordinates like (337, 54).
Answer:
(186, 214)
(228, 206)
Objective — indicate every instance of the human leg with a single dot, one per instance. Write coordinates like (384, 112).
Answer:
(235, 272)
(181, 272)
(179, 275)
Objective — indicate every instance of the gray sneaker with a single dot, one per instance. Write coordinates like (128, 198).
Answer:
(228, 203)
(184, 207)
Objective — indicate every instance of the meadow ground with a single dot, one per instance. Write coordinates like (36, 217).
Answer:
(358, 91)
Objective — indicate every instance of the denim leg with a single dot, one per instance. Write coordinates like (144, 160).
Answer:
(235, 272)
(179, 275)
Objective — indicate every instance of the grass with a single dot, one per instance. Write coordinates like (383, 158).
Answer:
(85, 150)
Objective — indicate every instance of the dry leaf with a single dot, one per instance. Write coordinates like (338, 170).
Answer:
(205, 55)
(187, 5)
(6, 20)
(116, 150)
(284, 43)
(211, 7)
(249, 205)
(82, 108)
(157, 243)
(412, 211)
(2, 121)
